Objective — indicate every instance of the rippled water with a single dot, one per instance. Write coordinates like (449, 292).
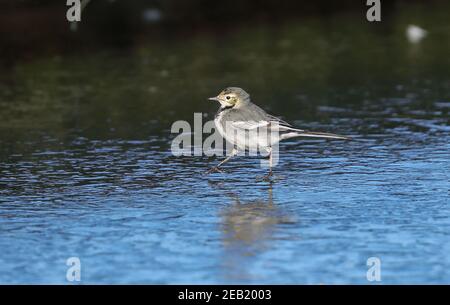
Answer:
(86, 168)
(135, 214)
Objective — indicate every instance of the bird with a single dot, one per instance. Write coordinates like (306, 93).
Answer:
(237, 117)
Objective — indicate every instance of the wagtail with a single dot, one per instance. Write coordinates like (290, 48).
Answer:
(246, 126)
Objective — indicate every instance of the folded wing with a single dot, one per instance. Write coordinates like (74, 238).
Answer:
(285, 130)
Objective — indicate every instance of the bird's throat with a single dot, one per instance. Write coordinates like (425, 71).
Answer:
(223, 108)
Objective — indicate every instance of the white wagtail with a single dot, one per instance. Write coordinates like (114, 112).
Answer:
(237, 117)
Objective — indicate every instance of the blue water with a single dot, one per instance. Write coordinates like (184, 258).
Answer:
(86, 169)
(133, 213)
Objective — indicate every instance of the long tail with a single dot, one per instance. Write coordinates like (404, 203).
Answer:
(304, 133)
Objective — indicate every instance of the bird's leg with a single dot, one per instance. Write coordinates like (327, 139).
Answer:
(270, 165)
(216, 168)
(267, 177)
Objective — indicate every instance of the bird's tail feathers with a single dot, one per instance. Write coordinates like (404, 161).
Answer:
(304, 133)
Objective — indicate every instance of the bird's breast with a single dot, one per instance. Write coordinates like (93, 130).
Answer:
(218, 123)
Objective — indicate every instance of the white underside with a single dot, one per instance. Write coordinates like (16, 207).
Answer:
(253, 138)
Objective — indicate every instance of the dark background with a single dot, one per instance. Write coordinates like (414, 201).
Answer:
(34, 27)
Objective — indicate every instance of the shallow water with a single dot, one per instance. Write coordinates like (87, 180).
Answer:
(86, 168)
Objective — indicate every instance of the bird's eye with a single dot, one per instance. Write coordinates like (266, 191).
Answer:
(228, 97)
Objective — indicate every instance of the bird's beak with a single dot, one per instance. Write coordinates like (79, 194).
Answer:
(214, 99)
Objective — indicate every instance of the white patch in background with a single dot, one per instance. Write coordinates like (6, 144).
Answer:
(415, 34)
(152, 15)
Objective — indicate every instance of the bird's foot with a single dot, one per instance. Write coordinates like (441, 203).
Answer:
(266, 178)
(214, 169)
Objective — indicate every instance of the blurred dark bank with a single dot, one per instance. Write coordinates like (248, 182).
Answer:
(86, 169)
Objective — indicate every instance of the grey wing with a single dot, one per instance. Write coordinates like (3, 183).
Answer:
(252, 117)
(271, 119)
(280, 122)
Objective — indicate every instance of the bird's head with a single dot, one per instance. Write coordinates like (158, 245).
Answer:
(231, 97)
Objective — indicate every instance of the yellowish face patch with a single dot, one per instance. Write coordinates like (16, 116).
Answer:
(228, 98)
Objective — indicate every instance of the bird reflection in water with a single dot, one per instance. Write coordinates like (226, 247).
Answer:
(249, 230)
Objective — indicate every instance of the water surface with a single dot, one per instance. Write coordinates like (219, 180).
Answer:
(86, 168)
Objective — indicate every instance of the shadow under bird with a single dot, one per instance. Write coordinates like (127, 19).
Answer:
(238, 116)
